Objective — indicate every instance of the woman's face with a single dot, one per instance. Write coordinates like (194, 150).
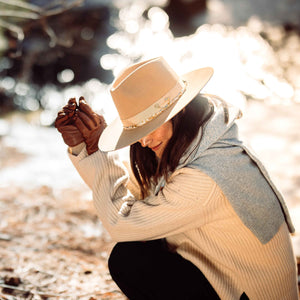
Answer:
(158, 139)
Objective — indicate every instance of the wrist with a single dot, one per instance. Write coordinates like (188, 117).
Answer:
(76, 149)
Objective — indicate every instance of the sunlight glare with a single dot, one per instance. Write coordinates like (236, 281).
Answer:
(159, 19)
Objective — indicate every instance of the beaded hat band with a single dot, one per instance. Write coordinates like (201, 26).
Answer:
(156, 108)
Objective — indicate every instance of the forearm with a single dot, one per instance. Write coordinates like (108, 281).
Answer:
(177, 208)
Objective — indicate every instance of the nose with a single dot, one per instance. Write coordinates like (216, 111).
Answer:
(145, 141)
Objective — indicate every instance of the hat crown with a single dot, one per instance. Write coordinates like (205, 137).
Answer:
(141, 85)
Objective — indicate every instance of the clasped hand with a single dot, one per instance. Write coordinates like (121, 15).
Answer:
(79, 123)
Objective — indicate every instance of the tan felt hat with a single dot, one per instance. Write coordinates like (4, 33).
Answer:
(146, 95)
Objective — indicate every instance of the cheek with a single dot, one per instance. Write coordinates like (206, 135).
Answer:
(163, 133)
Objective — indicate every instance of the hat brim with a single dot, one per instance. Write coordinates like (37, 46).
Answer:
(115, 137)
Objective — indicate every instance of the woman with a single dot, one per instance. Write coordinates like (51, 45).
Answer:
(199, 218)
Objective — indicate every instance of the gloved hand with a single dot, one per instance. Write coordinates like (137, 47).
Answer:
(65, 124)
(90, 124)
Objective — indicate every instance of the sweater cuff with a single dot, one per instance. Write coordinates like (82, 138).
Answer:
(76, 149)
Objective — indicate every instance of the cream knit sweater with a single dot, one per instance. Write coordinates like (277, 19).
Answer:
(195, 217)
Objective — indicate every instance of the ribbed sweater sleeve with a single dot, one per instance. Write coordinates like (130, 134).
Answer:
(178, 207)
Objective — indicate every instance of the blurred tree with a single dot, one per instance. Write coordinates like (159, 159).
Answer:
(181, 14)
(45, 39)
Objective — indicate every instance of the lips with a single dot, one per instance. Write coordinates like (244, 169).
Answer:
(156, 147)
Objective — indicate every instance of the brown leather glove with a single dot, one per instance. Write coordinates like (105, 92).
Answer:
(65, 124)
(90, 124)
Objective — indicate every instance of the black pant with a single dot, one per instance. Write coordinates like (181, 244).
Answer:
(148, 270)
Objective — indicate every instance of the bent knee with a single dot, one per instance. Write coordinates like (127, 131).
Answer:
(122, 256)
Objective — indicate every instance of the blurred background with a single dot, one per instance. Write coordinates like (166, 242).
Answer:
(53, 50)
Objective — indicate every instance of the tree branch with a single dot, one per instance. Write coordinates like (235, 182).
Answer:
(22, 4)
(13, 28)
(55, 11)
(19, 14)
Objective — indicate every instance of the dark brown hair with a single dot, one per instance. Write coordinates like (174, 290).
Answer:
(186, 124)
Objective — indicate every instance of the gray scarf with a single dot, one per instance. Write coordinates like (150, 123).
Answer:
(218, 152)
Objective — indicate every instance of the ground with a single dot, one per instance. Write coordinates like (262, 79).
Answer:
(51, 248)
